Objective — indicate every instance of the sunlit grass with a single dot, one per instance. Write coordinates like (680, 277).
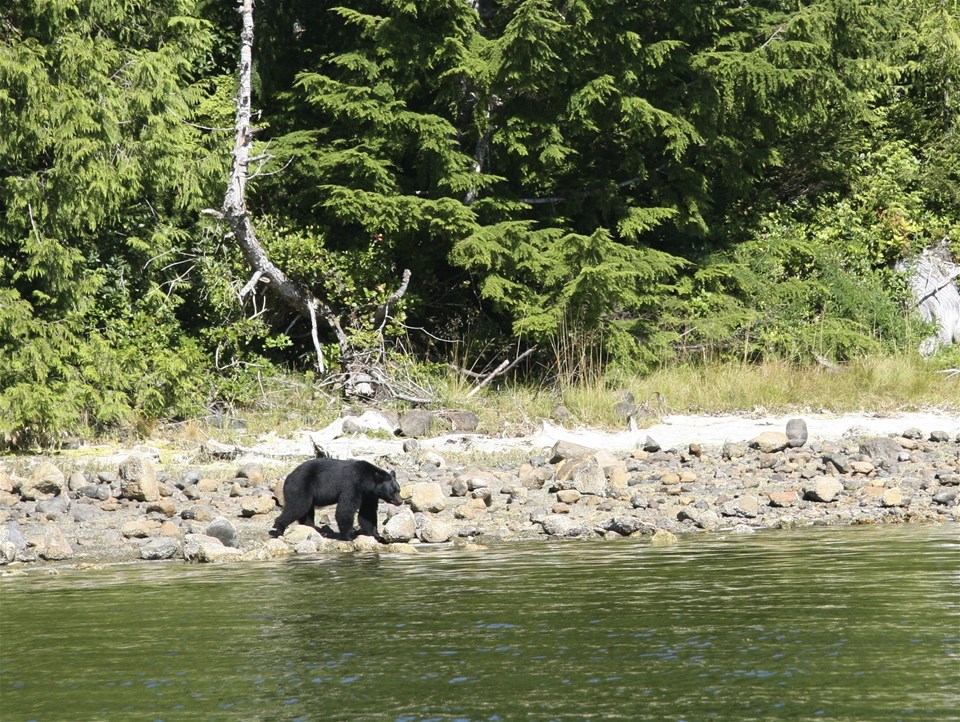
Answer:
(510, 406)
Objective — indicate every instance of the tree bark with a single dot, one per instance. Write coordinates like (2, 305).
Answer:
(236, 215)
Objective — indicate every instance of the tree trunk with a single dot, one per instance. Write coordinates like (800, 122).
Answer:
(236, 214)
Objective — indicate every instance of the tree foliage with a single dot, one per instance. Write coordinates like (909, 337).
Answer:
(726, 179)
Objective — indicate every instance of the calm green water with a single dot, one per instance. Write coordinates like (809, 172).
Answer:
(857, 624)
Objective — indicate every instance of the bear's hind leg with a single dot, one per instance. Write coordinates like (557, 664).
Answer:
(309, 519)
(346, 512)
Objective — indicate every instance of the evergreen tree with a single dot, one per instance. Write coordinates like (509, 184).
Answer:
(100, 171)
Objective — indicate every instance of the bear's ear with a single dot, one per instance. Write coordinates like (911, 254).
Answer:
(391, 476)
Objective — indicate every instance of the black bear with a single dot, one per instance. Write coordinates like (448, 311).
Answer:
(353, 485)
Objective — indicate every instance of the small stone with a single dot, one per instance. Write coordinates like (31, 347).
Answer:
(140, 528)
(745, 506)
(471, 510)
(138, 481)
(568, 496)
(401, 527)
(465, 421)
(427, 496)
(862, 467)
(695, 450)
(796, 433)
(410, 446)
(160, 548)
(663, 538)
(561, 525)
(783, 498)
(584, 475)
(838, 460)
(207, 485)
(945, 497)
(650, 445)
(939, 437)
(434, 531)
(221, 528)
(881, 449)
(55, 546)
(416, 423)
(770, 441)
(892, 497)
(703, 518)
(54, 506)
(253, 473)
(733, 449)
(255, 505)
(46, 481)
(625, 525)
(563, 450)
(823, 489)
(165, 506)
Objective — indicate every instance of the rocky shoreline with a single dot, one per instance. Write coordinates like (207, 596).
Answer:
(142, 508)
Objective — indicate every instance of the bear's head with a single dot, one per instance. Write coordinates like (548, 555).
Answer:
(388, 489)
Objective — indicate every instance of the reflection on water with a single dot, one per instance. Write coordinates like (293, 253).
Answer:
(856, 624)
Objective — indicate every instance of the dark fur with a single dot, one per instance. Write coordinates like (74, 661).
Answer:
(354, 486)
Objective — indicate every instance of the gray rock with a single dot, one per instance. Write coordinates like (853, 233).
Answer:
(401, 527)
(434, 531)
(770, 442)
(746, 506)
(705, 519)
(939, 436)
(84, 512)
(563, 450)
(138, 481)
(55, 546)
(625, 525)
(796, 433)
(733, 449)
(222, 529)
(45, 481)
(416, 423)
(160, 548)
(948, 479)
(427, 496)
(410, 446)
(823, 489)
(100, 492)
(12, 542)
(56, 505)
(561, 525)
(946, 497)
(584, 475)
(253, 473)
(881, 448)
(839, 461)
(463, 421)
(650, 445)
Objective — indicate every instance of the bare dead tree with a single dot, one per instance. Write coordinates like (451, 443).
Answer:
(237, 216)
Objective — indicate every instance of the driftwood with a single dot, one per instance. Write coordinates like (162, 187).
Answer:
(933, 281)
(505, 366)
(237, 216)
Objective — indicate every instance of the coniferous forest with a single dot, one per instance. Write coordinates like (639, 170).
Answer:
(660, 182)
